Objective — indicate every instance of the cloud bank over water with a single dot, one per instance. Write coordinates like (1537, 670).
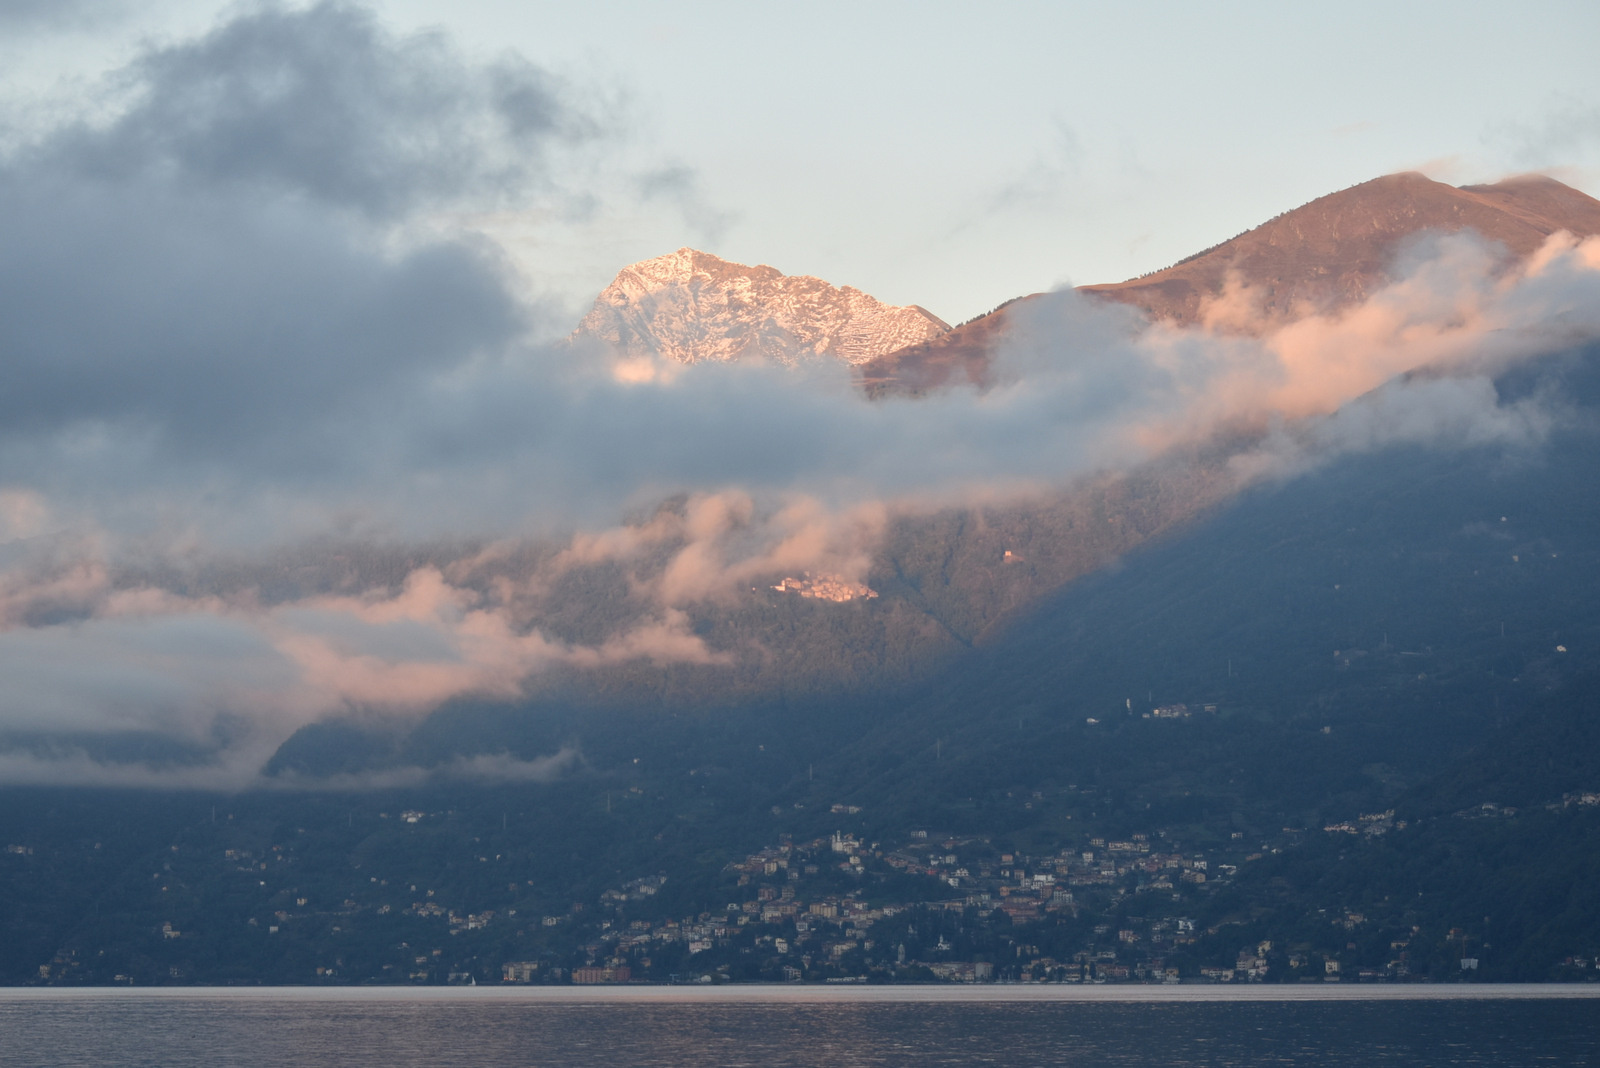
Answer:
(237, 321)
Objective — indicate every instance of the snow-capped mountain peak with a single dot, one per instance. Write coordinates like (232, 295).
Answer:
(689, 306)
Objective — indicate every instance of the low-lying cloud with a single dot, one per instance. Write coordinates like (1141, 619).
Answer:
(232, 325)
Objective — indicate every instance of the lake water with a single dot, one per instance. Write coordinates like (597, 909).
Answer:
(806, 1026)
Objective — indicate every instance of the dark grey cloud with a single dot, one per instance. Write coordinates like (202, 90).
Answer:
(221, 270)
(327, 104)
(216, 324)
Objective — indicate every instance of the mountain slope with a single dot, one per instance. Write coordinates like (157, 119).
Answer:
(1356, 629)
(1338, 249)
(1426, 593)
(1411, 600)
(690, 306)
(1328, 254)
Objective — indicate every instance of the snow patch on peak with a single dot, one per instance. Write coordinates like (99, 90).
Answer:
(687, 265)
(689, 306)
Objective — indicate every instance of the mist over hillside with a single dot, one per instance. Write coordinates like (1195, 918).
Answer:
(761, 626)
(1400, 640)
(722, 530)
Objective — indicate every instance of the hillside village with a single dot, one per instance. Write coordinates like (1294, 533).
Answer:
(925, 906)
(1110, 911)
(859, 934)
(826, 588)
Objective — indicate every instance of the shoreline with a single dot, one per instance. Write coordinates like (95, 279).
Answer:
(777, 994)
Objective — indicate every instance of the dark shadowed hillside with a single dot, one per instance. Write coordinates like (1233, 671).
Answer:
(1348, 714)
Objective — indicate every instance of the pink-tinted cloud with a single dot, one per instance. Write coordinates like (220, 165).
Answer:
(90, 643)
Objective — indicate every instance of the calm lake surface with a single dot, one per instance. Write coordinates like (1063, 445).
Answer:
(767, 1026)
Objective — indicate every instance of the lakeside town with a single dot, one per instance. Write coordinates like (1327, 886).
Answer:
(841, 908)
(920, 905)
(1113, 911)
(978, 897)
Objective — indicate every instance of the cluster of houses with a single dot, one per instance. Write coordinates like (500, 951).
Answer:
(837, 928)
(776, 920)
(1371, 824)
(827, 588)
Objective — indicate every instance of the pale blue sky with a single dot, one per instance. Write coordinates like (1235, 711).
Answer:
(953, 156)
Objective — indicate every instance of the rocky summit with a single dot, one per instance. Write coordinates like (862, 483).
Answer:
(690, 306)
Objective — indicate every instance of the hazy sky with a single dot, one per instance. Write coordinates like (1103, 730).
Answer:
(939, 154)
